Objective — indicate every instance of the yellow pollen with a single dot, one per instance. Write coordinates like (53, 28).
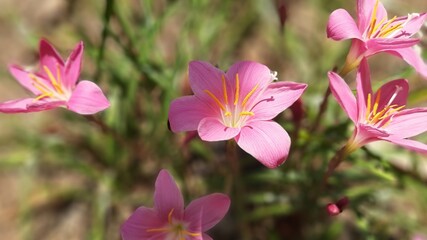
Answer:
(374, 18)
(224, 89)
(227, 114)
(377, 100)
(215, 99)
(246, 113)
(236, 95)
(245, 100)
(368, 106)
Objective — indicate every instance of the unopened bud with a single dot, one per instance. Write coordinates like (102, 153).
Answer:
(336, 208)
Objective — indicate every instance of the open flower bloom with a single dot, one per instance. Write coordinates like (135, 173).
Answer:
(238, 104)
(374, 32)
(381, 115)
(169, 220)
(55, 85)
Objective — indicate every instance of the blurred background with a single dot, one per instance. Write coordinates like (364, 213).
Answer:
(64, 176)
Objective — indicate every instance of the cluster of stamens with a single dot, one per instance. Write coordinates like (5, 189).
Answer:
(176, 228)
(56, 89)
(233, 114)
(380, 118)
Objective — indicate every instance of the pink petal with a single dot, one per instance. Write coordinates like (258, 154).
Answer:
(342, 26)
(207, 237)
(203, 76)
(365, 134)
(167, 196)
(396, 90)
(211, 129)
(365, 12)
(363, 88)
(377, 45)
(408, 123)
(23, 78)
(414, 25)
(412, 58)
(28, 105)
(87, 98)
(49, 57)
(73, 66)
(251, 75)
(409, 144)
(45, 104)
(343, 94)
(185, 113)
(213, 208)
(276, 98)
(267, 141)
(136, 226)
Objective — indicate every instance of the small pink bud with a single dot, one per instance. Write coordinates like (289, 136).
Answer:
(283, 14)
(336, 208)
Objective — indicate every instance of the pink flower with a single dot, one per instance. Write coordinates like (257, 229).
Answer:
(169, 220)
(374, 33)
(55, 85)
(238, 104)
(380, 115)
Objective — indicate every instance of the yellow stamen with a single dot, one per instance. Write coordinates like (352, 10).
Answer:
(384, 27)
(215, 99)
(236, 95)
(58, 74)
(227, 114)
(248, 96)
(157, 230)
(377, 26)
(246, 113)
(170, 216)
(368, 107)
(390, 30)
(53, 80)
(224, 89)
(374, 18)
(377, 100)
(193, 234)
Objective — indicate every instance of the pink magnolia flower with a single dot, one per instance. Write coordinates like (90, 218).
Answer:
(238, 104)
(381, 115)
(169, 220)
(374, 32)
(55, 85)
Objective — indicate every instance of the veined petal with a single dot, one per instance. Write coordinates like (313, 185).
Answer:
(363, 88)
(343, 94)
(212, 129)
(49, 57)
(28, 105)
(136, 226)
(203, 76)
(408, 123)
(377, 45)
(414, 24)
(213, 208)
(365, 10)
(73, 66)
(396, 90)
(414, 59)
(167, 196)
(185, 113)
(276, 98)
(23, 77)
(253, 79)
(342, 26)
(409, 144)
(266, 141)
(87, 98)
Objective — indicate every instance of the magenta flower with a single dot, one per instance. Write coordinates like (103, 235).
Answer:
(380, 115)
(55, 85)
(169, 220)
(238, 104)
(374, 32)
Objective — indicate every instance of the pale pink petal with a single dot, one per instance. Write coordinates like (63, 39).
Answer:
(87, 98)
(414, 25)
(396, 90)
(211, 129)
(363, 88)
(23, 78)
(185, 113)
(253, 79)
(194, 224)
(344, 95)
(365, 134)
(213, 208)
(365, 10)
(203, 76)
(136, 226)
(276, 98)
(45, 104)
(49, 57)
(408, 123)
(409, 144)
(167, 197)
(377, 45)
(266, 141)
(73, 66)
(342, 26)
(412, 58)
(28, 105)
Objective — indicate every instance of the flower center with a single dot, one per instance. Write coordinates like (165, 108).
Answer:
(386, 28)
(376, 117)
(233, 114)
(176, 229)
(53, 90)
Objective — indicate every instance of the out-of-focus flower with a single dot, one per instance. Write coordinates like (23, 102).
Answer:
(169, 220)
(238, 104)
(55, 85)
(374, 32)
(380, 115)
(336, 208)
